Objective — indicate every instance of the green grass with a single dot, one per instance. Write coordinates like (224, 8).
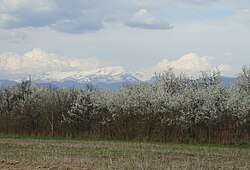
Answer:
(220, 146)
(125, 141)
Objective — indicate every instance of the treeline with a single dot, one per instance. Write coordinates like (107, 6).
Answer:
(174, 108)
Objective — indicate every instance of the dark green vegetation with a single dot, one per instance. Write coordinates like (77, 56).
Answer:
(82, 154)
(173, 109)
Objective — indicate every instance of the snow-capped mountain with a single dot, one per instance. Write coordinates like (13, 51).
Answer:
(105, 75)
(104, 78)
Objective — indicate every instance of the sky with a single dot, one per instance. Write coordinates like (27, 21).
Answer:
(38, 36)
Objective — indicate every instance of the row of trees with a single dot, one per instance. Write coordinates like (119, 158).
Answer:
(174, 108)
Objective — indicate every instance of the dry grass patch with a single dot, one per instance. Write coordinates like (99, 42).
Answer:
(69, 154)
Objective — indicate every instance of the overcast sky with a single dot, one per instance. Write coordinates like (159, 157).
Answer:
(142, 35)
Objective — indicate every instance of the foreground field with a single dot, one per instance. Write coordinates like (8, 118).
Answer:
(30, 154)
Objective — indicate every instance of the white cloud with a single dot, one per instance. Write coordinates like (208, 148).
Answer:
(36, 5)
(224, 68)
(243, 16)
(228, 54)
(76, 16)
(38, 61)
(143, 19)
(27, 13)
(7, 18)
(190, 64)
(73, 15)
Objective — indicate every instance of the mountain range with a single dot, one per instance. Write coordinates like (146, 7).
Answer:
(105, 78)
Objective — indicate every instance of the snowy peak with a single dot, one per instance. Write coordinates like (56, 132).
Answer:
(142, 76)
(117, 70)
(55, 76)
(104, 75)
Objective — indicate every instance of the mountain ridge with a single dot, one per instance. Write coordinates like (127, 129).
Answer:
(105, 78)
(105, 74)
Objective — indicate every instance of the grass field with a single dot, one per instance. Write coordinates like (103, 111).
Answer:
(28, 154)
